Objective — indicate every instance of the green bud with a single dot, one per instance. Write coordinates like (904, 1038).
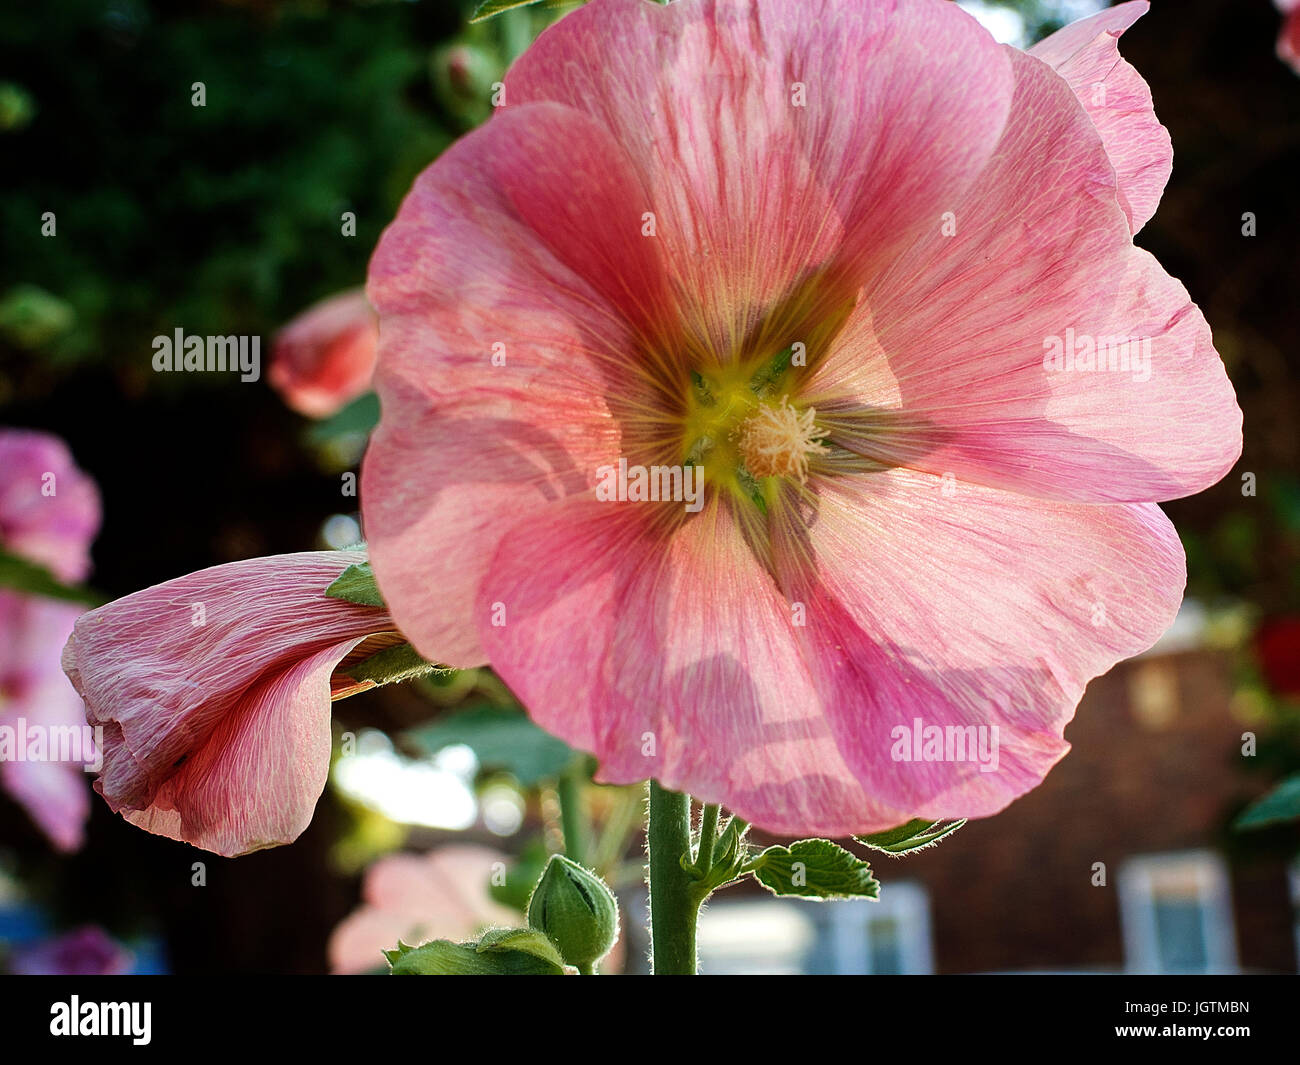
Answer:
(576, 910)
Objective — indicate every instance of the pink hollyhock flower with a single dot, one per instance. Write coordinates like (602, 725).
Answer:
(1288, 41)
(49, 514)
(854, 262)
(323, 359)
(415, 898)
(85, 951)
(214, 693)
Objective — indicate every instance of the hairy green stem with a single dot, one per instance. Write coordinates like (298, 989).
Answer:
(674, 903)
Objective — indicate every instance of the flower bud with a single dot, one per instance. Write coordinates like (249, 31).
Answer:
(576, 911)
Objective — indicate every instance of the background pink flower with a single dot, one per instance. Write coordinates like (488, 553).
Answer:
(323, 359)
(443, 894)
(1288, 41)
(84, 951)
(672, 197)
(214, 693)
(49, 514)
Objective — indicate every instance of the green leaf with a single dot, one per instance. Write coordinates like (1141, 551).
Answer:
(503, 957)
(913, 836)
(501, 738)
(356, 584)
(521, 940)
(20, 575)
(1280, 804)
(522, 876)
(358, 418)
(391, 665)
(816, 869)
(489, 8)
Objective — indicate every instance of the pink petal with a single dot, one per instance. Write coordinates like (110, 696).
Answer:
(705, 681)
(968, 606)
(1117, 99)
(952, 350)
(217, 732)
(323, 359)
(440, 895)
(671, 657)
(753, 185)
(49, 509)
(466, 445)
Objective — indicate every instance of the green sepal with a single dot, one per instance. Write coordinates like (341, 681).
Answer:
(816, 869)
(391, 665)
(356, 584)
(914, 836)
(502, 956)
(19, 575)
(1280, 804)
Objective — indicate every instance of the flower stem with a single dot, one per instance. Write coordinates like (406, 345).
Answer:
(674, 903)
(573, 820)
(708, 836)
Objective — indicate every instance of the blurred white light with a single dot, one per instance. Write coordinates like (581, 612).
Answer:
(340, 531)
(503, 809)
(1006, 25)
(406, 790)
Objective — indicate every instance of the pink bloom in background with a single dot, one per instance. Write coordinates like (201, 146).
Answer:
(214, 694)
(1288, 41)
(85, 951)
(854, 261)
(49, 514)
(323, 359)
(443, 894)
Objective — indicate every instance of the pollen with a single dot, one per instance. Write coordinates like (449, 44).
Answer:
(776, 441)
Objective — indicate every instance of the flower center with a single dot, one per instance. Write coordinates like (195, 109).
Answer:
(776, 441)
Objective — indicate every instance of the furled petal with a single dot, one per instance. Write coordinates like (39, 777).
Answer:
(214, 693)
(34, 694)
(323, 359)
(1117, 99)
(960, 330)
(49, 509)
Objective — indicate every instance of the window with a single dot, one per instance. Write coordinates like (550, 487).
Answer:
(1176, 911)
(792, 936)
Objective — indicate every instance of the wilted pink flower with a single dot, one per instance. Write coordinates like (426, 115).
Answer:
(85, 951)
(49, 514)
(1288, 41)
(443, 894)
(323, 359)
(214, 692)
(862, 248)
